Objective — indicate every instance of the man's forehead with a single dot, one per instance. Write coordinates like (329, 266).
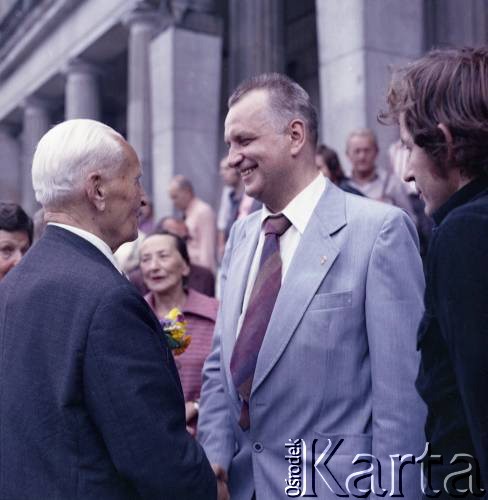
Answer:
(16, 235)
(252, 107)
(251, 103)
(361, 140)
(131, 161)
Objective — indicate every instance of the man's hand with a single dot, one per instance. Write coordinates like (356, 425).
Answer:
(191, 413)
(222, 478)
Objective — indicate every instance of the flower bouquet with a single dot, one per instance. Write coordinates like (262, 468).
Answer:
(174, 327)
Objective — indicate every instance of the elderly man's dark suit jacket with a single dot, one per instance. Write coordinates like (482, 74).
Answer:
(90, 402)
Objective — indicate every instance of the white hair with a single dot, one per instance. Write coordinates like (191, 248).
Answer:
(70, 151)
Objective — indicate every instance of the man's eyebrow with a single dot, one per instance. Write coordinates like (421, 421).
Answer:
(234, 136)
(243, 135)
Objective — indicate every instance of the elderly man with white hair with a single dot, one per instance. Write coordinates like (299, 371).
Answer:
(91, 405)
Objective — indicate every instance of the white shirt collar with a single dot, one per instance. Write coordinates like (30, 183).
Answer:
(300, 209)
(91, 238)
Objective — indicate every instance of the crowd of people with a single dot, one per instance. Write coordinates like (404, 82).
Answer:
(177, 358)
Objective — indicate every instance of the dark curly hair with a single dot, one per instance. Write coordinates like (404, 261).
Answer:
(449, 87)
(13, 218)
(331, 159)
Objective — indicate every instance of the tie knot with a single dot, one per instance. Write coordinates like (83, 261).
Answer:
(276, 224)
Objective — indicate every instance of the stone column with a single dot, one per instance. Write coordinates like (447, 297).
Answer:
(354, 62)
(82, 96)
(450, 23)
(10, 165)
(36, 124)
(185, 84)
(256, 38)
(143, 24)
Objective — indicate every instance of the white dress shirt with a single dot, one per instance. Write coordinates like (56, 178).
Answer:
(91, 238)
(298, 212)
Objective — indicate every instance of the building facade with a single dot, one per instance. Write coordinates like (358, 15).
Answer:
(160, 71)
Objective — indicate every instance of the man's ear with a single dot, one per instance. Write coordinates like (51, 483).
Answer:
(447, 134)
(95, 190)
(298, 135)
(448, 138)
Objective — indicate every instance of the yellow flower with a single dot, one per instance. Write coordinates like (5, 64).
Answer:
(174, 326)
(173, 314)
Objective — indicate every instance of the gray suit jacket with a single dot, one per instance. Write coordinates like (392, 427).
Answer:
(338, 360)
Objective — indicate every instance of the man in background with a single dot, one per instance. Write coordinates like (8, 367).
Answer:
(375, 183)
(91, 404)
(234, 204)
(200, 220)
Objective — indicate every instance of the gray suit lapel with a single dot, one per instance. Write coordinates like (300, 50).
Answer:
(313, 258)
(237, 277)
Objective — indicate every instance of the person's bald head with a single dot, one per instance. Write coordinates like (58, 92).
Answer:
(181, 192)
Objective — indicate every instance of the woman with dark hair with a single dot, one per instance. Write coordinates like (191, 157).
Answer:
(15, 236)
(329, 164)
(165, 267)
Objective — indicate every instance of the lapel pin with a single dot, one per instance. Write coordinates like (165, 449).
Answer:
(323, 260)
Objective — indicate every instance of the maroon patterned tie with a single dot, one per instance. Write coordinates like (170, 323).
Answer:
(258, 313)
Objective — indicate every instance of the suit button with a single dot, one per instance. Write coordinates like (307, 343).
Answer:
(257, 447)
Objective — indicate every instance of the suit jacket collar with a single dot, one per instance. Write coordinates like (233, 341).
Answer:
(59, 234)
(313, 258)
(464, 195)
(93, 239)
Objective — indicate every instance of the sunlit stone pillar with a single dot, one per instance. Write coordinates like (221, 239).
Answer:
(185, 84)
(10, 165)
(143, 24)
(82, 95)
(354, 63)
(36, 124)
(256, 38)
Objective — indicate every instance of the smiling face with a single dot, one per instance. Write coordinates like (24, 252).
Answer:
(162, 266)
(434, 187)
(13, 245)
(259, 150)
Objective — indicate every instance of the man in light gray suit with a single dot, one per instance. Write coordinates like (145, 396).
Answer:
(314, 356)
